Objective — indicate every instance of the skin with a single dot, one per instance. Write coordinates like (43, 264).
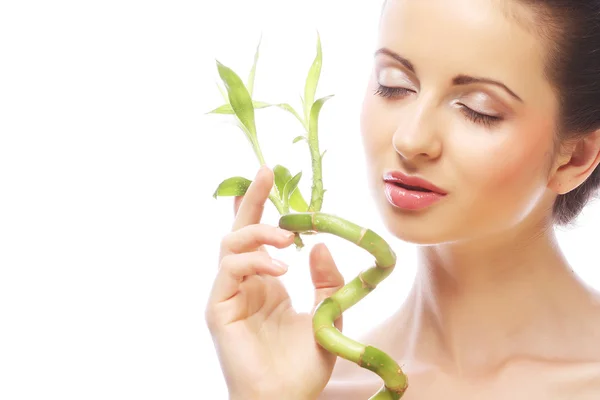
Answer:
(495, 311)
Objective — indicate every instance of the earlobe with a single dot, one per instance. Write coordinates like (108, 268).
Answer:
(574, 166)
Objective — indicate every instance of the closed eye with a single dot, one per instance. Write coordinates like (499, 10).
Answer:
(478, 118)
(385, 91)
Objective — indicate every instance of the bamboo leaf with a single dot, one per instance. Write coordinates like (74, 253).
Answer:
(290, 188)
(312, 80)
(297, 202)
(235, 186)
(314, 114)
(239, 98)
(299, 138)
(291, 110)
(223, 94)
(250, 84)
(282, 176)
(227, 109)
(224, 109)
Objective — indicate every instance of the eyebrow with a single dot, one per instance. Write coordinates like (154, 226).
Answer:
(457, 80)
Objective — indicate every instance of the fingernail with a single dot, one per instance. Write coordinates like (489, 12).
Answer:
(280, 265)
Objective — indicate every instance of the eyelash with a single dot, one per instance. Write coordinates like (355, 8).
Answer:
(478, 118)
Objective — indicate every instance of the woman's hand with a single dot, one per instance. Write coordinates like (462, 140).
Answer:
(266, 349)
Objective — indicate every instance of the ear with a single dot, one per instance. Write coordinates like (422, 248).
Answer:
(575, 163)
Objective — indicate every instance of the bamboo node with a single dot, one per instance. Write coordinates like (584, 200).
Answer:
(321, 327)
(362, 235)
(360, 357)
(377, 265)
(402, 388)
(364, 283)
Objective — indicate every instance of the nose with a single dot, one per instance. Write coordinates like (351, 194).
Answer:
(417, 136)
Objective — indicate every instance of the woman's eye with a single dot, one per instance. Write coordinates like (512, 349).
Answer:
(478, 118)
(385, 91)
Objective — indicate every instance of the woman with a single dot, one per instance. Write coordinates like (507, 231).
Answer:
(497, 105)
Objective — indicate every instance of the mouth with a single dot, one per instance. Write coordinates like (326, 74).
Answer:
(412, 188)
(411, 183)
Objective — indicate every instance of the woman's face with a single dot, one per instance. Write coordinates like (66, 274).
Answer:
(488, 145)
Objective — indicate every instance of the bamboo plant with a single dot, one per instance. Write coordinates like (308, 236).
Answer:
(306, 219)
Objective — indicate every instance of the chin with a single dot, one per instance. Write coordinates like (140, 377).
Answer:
(418, 227)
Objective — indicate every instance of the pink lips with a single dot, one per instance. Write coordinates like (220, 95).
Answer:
(402, 191)
(399, 177)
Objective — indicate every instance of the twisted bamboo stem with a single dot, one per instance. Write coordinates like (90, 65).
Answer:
(311, 220)
(326, 334)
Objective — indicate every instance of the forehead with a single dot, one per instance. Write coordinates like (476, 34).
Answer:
(482, 38)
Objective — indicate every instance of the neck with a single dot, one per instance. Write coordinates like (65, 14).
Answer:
(474, 307)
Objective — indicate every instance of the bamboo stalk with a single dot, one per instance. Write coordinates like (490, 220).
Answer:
(313, 221)
(326, 334)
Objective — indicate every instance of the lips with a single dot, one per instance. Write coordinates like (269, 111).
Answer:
(411, 182)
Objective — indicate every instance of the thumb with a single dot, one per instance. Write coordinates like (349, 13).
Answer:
(325, 275)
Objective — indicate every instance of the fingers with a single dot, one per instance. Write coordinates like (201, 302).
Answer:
(252, 237)
(235, 267)
(326, 277)
(252, 204)
(237, 200)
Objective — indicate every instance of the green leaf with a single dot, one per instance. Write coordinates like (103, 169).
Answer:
(224, 109)
(282, 176)
(235, 186)
(290, 188)
(299, 138)
(314, 114)
(261, 104)
(322, 154)
(250, 84)
(239, 98)
(291, 110)
(227, 109)
(223, 94)
(312, 80)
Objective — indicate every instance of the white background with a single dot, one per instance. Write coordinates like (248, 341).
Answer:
(108, 230)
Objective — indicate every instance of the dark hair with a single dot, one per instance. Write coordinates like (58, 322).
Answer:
(571, 31)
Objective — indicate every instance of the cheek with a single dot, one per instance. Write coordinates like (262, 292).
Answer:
(506, 170)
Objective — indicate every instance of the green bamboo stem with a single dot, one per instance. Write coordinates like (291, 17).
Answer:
(314, 221)
(316, 197)
(326, 334)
